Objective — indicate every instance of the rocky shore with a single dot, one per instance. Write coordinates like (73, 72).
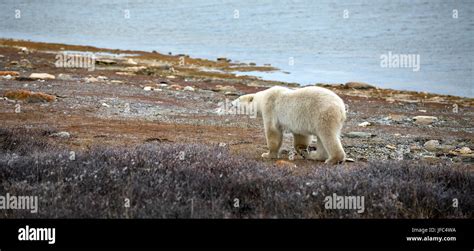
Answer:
(95, 129)
(133, 96)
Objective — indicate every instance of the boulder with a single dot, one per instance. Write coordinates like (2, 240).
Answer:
(358, 85)
(425, 120)
(465, 150)
(43, 76)
(431, 145)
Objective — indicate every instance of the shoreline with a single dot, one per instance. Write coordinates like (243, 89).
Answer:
(219, 68)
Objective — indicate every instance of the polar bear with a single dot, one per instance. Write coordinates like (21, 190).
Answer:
(305, 112)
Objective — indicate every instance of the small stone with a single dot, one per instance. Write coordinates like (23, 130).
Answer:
(189, 88)
(105, 105)
(148, 88)
(222, 144)
(392, 147)
(25, 63)
(63, 76)
(91, 80)
(171, 77)
(231, 94)
(24, 50)
(226, 88)
(223, 60)
(431, 145)
(134, 68)
(105, 62)
(123, 73)
(102, 78)
(364, 124)
(359, 135)
(61, 135)
(465, 150)
(424, 120)
(43, 76)
(176, 87)
(131, 61)
(116, 81)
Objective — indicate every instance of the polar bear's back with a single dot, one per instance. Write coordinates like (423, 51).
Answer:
(311, 108)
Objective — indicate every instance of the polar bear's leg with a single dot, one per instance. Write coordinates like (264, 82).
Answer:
(320, 153)
(301, 142)
(274, 138)
(332, 143)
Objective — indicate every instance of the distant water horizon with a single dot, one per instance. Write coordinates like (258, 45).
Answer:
(310, 41)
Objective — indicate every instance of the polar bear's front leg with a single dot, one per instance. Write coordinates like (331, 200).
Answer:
(320, 153)
(274, 138)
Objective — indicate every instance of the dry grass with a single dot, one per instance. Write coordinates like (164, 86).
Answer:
(167, 180)
(29, 96)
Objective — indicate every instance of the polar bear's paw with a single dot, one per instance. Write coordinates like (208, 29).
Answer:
(334, 161)
(317, 155)
(269, 156)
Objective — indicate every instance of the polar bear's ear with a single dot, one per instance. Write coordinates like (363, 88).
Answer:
(247, 98)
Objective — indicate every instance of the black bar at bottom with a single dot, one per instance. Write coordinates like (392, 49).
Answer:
(103, 233)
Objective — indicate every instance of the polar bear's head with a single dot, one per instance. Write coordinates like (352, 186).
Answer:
(247, 104)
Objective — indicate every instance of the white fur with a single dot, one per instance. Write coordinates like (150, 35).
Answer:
(305, 112)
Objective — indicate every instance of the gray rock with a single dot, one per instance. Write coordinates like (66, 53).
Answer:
(63, 76)
(189, 88)
(359, 135)
(425, 120)
(105, 62)
(431, 145)
(465, 150)
(358, 85)
(61, 135)
(43, 76)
